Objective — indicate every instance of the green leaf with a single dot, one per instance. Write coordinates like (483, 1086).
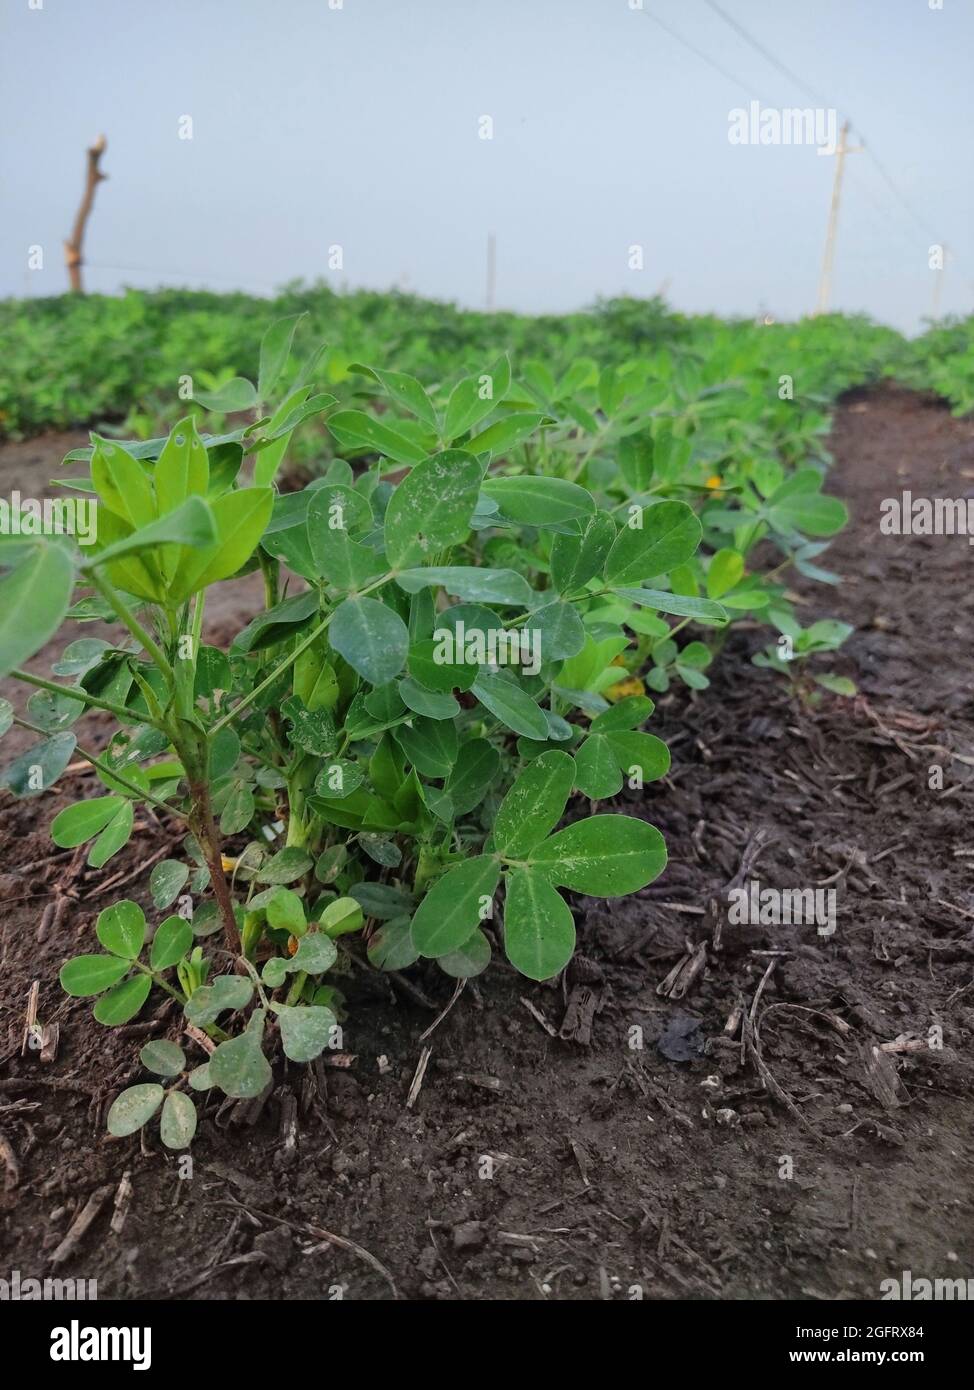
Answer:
(357, 431)
(172, 940)
(430, 745)
(123, 1002)
(285, 911)
(338, 778)
(405, 390)
(316, 952)
(80, 822)
(236, 395)
(539, 932)
(209, 1001)
(178, 1122)
(667, 535)
(239, 1066)
(134, 1108)
(341, 917)
(87, 975)
(163, 1058)
(838, 685)
(431, 508)
(625, 714)
(391, 947)
(239, 519)
(684, 607)
(41, 585)
(333, 513)
(505, 435)
(471, 959)
(470, 583)
(426, 667)
(122, 483)
(534, 805)
(726, 569)
(275, 349)
(510, 704)
(539, 501)
(305, 1030)
(167, 881)
(238, 809)
(560, 631)
(812, 512)
(371, 637)
(313, 731)
(475, 397)
(605, 856)
(6, 716)
(645, 753)
(476, 767)
(286, 866)
(192, 524)
(636, 460)
(39, 767)
(575, 559)
(432, 704)
(114, 837)
(183, 469)
(597, 773)
(121, 929)
(455, 906)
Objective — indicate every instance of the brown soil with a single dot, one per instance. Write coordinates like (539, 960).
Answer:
(582, 1165)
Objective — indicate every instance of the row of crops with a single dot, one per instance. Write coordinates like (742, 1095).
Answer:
(515, 533)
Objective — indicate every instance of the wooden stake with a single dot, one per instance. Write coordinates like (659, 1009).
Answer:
(72, 248)
(825, 282)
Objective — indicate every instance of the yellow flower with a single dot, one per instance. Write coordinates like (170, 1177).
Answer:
(228, 864)
(714, 480)
(631, 686)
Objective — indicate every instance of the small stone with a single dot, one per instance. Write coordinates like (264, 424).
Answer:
(469, 1235)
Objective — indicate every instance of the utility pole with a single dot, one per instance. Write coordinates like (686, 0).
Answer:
(491, 271)
(825, 282)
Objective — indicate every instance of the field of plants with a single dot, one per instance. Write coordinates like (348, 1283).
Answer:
(413, 723)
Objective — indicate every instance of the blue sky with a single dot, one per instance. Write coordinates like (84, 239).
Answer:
(359, 126)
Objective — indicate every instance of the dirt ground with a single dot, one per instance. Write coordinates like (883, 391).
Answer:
(594, 1139)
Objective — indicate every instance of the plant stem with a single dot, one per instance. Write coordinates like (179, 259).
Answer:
(128, 618)
(291, 659)
(204, 827)
(76, 693)
(108, 772)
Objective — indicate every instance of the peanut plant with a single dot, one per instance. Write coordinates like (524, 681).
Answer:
(458, 617)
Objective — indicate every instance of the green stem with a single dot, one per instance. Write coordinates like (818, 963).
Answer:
(82, 696)
(128, 618)
(291, 659)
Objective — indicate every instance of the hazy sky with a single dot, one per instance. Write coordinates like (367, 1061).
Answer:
(360, 125)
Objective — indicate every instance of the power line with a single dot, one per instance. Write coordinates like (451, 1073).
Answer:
(770, 57)
(766, 53)
(692, 48)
